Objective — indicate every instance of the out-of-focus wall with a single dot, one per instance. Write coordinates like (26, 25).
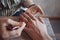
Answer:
(50, 7)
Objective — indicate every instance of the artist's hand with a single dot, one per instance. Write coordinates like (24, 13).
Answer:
(13, 32)
(35, 27)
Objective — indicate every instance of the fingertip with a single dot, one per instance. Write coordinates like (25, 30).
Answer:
(41, 19)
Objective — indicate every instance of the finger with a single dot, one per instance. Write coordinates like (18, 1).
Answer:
(23, 26)
(12, 22)
(39, 9)
(31, 16)
(25, 15)
(22, 18)
(21, 23)
(28, 18)
(40, 19)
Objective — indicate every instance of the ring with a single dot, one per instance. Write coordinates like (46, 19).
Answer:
(28, 19)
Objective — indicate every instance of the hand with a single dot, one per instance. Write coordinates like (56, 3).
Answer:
(35, 28)
(13, 33)
(35, 9)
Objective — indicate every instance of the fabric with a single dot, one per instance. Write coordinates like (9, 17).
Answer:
(10, 6)
(10, 3)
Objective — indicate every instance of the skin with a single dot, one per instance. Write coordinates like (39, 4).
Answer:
(35, 26)
(34, 9)
(11, 34)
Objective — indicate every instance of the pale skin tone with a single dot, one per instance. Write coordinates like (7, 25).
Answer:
(34, 9)
(33, 23)
(11, 34)
(35, 27)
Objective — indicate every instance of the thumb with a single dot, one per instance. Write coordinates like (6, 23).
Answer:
(23, 26)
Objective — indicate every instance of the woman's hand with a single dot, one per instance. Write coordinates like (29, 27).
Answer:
(35, 9)
(35, 28)
(12, 33)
